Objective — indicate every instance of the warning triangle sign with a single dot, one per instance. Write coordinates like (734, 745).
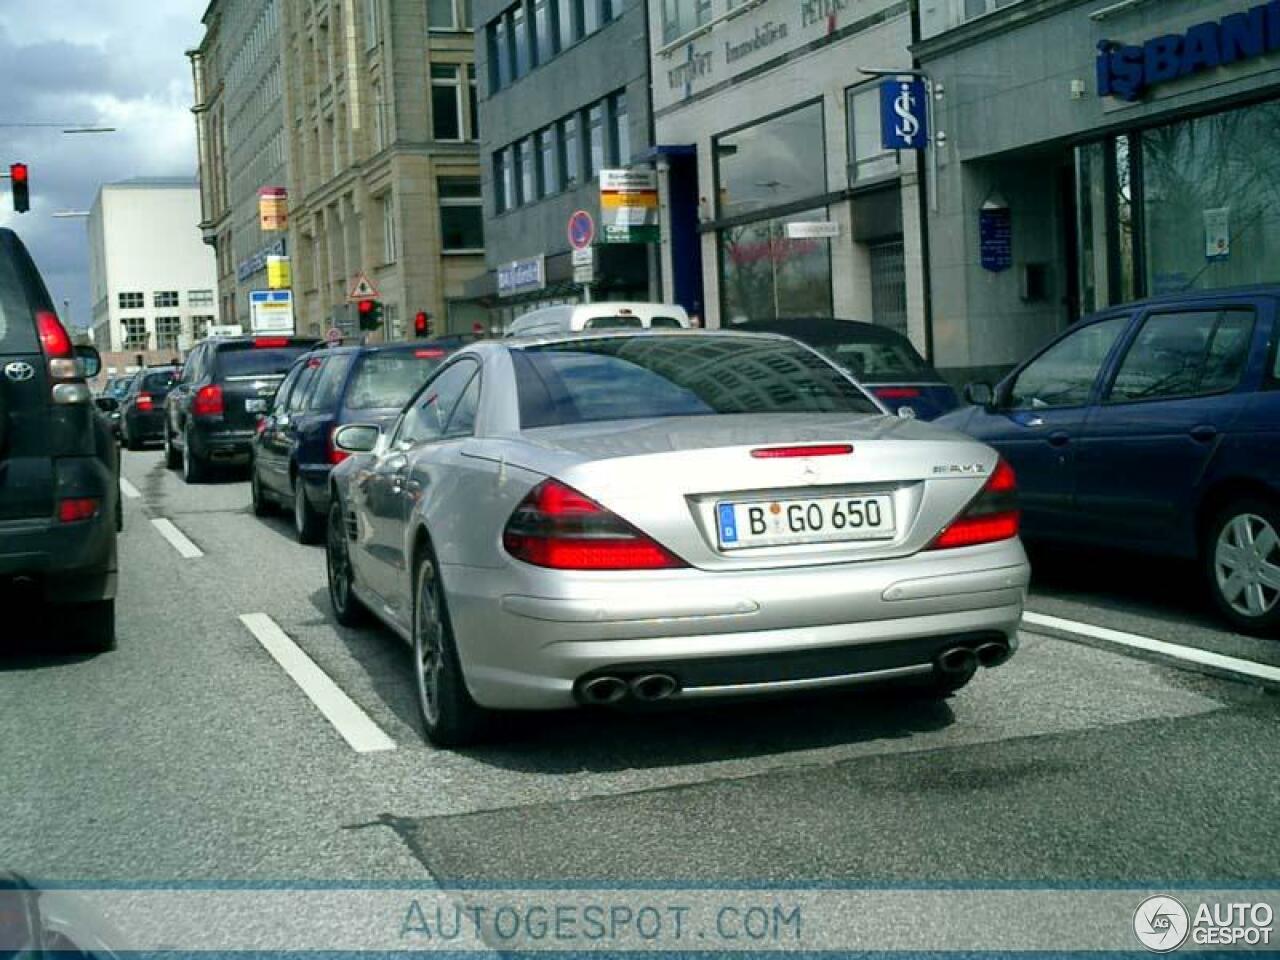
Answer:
(362, 289)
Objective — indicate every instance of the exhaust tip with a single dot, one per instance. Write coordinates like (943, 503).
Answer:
(603, 690)
(993, 654)
(957, 662)
(653, 686)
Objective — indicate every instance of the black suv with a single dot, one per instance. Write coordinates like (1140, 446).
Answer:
(142, 407)
(59, 466)
(211, 413)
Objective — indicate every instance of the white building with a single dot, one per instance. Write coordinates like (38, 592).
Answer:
(151, 276)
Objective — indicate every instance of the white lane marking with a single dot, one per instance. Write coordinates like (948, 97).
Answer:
(356, 726)
(1248, 668)
(177, 539)
(128, 489)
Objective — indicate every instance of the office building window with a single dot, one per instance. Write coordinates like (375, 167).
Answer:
(681, 16)
(200, 325)
(199, 298)
(570, 152)
(499, 55)
(387, 206)
(595, 140)
(520, 40)
(446, 102)
(168, 329)
(135, 333)
(448, 14)
(525, 162)
(542, 30)
(765, 166)
(503, 185)
(461, 215)
(165, 298)
(473, 102)
(620, 146)
(132, 301)
(566, 24)
(548, 179)
(590, 16)
(379, 122)
(371, 37)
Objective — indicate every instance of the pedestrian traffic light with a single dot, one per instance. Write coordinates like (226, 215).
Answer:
(422, 324)
(21, 187)
(370, 312)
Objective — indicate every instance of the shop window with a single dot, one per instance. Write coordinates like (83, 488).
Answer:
(774, 162)
(768, 274)
(867, 157)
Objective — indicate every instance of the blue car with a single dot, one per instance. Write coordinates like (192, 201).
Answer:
(293, 449)
(882, 360)
(1154, 427)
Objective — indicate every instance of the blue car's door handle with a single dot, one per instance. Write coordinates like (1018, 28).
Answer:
(1059, 438)
(1204, 433)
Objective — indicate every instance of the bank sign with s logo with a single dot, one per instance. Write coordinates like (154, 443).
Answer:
(903, 117)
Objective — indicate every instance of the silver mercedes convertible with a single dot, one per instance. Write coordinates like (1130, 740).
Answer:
(633, 517)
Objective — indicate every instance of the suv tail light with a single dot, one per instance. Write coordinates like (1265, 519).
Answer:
(336, 456)
(208, 401)
(77, 508)
(145, 403)
(556, 526)
(991, 516)
(54, 340)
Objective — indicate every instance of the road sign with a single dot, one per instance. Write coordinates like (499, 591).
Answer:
(584, 266)
(582, 230)
(362, 289)
(271, 311)
(333, 335)
(629, 206)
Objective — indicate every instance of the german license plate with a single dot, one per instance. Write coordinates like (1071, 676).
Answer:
(772, 523)
(255, 405)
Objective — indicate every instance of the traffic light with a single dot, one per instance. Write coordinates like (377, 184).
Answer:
(21, 187)
(422, 324)
(370, 312)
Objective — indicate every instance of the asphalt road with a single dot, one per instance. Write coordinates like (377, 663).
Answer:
(189, 754)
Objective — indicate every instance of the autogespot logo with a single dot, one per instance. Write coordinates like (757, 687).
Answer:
(1161, 923)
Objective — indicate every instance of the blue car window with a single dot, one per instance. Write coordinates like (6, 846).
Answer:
(1064, 375)
(329, 385)
(1185, 354)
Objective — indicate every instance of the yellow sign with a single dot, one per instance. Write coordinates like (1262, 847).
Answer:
(279, 273)
(273, 208)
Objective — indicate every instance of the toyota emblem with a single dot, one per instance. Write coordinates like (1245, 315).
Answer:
(19, 371)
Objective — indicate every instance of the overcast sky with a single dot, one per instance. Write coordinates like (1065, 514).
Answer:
(115, 62)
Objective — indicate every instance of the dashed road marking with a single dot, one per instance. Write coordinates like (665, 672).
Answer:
(177, 539)
(1176, 651)
(128, 489)
(355, 726)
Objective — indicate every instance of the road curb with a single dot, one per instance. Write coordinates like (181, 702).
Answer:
(1180, 656)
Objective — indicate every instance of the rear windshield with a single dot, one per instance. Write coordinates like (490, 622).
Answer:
(388, 379)
(614, 322)
(634, 377)
(159, 382)
(246, 360)
(876, 361)
(670, 323)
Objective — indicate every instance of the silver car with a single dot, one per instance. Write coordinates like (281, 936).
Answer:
(643, 516)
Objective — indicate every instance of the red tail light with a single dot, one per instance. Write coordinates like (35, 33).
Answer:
(336, 456)
(77, 508)
(556, 526)
(431, 353)
(145, 403)
(993, 514)
(896, 393)
(261, 342)
(208, 402)
(53, 335)
(809, 450)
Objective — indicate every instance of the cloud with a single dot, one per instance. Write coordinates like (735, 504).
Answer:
(111, 62)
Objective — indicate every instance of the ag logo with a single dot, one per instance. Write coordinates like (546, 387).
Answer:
(19, 371)
(1161, 923)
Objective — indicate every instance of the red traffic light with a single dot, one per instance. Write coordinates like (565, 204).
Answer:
(421, 323)
(365, 306)
(20, 187)
(18, 172)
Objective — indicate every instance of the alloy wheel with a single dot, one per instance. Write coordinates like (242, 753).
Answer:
(1246, 565)
(428, 645)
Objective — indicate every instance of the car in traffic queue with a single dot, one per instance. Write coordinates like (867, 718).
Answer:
(293, 449)
(211, 413)
(59, 465)
(1154, 427)
(635, 517)
(141, 419)
(882, 360)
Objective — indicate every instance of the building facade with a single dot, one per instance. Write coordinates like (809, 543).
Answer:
(777, 197)
(380, 102)
(238, 76)
(1096, 152)
(152, 278)
(566, 95)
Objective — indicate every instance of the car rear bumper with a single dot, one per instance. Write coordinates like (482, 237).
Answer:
(145, 426)
(730, 634)
(222, 444)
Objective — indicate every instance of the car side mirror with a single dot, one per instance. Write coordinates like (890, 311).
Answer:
(979, 394)
(90, 361)
(107, 404)
(357, 438)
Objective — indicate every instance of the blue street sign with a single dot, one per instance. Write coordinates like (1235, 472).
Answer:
(903, 114)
